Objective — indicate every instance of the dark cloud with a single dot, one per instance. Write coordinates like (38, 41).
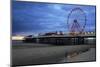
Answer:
(34, 17)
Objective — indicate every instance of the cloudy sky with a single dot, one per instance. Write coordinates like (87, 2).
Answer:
(34, 18)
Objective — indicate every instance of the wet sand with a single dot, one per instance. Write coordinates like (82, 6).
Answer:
(30, 53)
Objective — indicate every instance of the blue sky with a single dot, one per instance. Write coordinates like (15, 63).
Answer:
(34, 18)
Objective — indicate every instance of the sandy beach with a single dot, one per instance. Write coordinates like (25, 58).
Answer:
(31, 53)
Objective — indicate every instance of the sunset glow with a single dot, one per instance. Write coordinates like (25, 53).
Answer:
(17, 37)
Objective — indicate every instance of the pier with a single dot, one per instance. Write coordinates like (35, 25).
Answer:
(63, 39)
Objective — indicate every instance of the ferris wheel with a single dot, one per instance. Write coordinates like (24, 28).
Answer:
(76, 21)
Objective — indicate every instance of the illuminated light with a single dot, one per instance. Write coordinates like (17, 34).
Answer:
(88, 32)
(17, 37)
(90, 38)
(91, 32)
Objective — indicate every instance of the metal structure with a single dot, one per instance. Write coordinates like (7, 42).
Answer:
(76, 21)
